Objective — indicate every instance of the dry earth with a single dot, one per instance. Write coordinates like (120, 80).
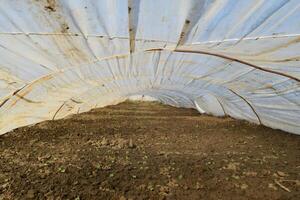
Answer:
(148, 151)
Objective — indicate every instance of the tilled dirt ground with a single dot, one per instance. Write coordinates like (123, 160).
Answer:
(148, 151)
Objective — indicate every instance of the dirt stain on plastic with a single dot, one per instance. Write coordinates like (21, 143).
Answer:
(51, 6)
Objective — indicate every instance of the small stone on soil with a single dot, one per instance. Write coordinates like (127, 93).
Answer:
(244, 186)
(30, 194)
(272, 186)
(280, 173)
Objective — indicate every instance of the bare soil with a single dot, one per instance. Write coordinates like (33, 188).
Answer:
(146, 150)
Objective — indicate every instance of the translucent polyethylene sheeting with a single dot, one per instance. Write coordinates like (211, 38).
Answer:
(221, 57)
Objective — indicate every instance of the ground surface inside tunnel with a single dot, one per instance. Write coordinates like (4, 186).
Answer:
(146, 150)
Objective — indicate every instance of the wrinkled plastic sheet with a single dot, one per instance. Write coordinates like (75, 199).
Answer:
(225, 58)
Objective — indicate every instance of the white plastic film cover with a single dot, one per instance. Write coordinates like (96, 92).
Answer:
(222, 57)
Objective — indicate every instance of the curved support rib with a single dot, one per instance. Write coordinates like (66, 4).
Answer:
(230, 58)
(60, 107)
(249, 104)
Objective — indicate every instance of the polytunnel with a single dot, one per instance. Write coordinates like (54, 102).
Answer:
(222, 57)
